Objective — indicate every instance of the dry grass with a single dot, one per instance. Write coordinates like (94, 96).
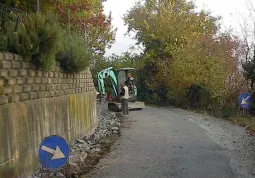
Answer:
(247, 122)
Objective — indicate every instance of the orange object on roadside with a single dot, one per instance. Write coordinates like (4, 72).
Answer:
(110, 97)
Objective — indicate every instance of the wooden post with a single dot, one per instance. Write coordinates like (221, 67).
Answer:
(38, 6)
(69, 19)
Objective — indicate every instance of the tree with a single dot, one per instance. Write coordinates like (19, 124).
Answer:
(182, 48)
(86, 17)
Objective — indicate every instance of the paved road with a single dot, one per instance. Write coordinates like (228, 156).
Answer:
(175, 143)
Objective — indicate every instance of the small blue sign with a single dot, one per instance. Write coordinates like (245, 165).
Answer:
(244, 100)
(53, 152)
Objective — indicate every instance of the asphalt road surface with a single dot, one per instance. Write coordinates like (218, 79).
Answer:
(160, 142)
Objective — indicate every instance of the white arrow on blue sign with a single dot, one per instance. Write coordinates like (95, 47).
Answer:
(244, 100)
(53, 152)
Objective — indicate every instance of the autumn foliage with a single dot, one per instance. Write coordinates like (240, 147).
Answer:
(186, 55)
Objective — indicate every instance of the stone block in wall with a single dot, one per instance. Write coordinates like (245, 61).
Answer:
(3, 73)
(17, 57)
(31, 73)
(61, 92)
(65, 75)
(60, 75)
(66, 92)
(51, 74)
(41, 94)
(22, 72)
(35, 87)
(30, 80)
(83, 89)
(8, 56)
(38, 80)
(1, 82)
(61, 80)
(50, 80)
(49, 87)
(3, 99)
(33, 95)
(13, 73)
(57, 87)
(24, 65)
(1, 90)
(11, 81)
(56, 74)
(47, 94)
(15, 64)
(46, 74)
(23, 96)
(5, 64)
(52, 93)
(17, 89)
(56, 92)
(7, 90)
(31, 66)
(57, 80)
(13, 98)
(45, 80)
(1, 56)
(27, 88)
(39, 73)
(42, 87)
(20, 80)
(70, 91)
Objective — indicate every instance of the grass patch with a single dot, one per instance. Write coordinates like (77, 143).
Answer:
(248, 122)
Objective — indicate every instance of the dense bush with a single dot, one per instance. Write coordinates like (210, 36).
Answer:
(73, 55)
(43, 38)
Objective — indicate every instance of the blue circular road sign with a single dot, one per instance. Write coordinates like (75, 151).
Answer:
(244, 100)
(53, 152)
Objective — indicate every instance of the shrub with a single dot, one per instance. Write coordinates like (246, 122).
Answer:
(73, 55)
(198, 97)
(37, 36)
(3, 41)
(45, 30)
(43, 38)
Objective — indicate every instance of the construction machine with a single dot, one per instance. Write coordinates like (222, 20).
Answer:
(117, 81)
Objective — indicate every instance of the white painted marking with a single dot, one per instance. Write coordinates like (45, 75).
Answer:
(57, 154)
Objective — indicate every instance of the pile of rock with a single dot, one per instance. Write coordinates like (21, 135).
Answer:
(108, 125)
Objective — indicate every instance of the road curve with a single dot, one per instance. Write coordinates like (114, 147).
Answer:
(160, 142)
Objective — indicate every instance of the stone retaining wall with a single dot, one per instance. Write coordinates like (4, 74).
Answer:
(20, 81)
(35, 104)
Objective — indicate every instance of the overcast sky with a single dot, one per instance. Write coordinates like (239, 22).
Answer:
(230, 11)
